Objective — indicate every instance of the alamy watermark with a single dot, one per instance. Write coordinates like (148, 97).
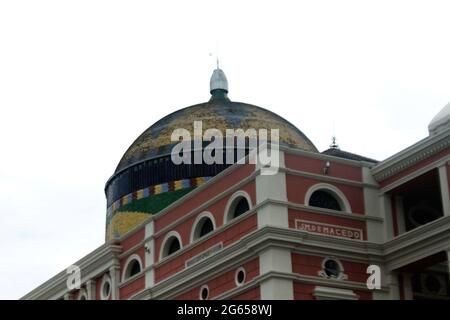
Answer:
(74, 277)
(262, 150)
(374, 280)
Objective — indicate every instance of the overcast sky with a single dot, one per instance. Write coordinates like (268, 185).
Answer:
(80, 80)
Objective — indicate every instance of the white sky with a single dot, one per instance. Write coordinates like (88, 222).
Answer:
(80, 80)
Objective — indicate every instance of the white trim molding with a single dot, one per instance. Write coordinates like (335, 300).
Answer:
(411, 155)
(339, 195)
(326, 293)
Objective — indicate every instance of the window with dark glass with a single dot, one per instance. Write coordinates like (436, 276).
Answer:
(240, 208)
(204, 293)
(332, 268)
(134, 267)
(240, 276)
(106, 289)
(205, 227)
(324, 199)
(174, 246)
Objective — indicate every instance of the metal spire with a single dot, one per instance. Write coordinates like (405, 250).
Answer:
(334, 144)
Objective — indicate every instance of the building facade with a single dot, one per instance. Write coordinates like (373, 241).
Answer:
(313, 230)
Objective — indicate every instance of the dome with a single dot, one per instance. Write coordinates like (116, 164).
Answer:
(221, 114)
(146, 180)
(441, 121)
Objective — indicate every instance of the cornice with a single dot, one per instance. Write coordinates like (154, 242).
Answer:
(412, 155)
(251, 245)
(325, 157)
(322, 177)
(91, 265)
(417, 243)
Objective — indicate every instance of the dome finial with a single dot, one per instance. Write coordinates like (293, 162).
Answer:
(334, 144)
(218, 83)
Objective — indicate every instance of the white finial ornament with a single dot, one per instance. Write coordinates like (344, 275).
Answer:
(218, 80)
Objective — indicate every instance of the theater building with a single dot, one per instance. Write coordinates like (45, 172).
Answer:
(310, 231)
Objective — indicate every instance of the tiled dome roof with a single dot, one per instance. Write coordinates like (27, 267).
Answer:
(219, 113)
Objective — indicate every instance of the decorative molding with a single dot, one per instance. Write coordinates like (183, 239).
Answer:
(204, 255)
(93, 265)
(417, 244)
(330, 212)
(250, 246)
(402, 180)
(325, 157)
(324, 178)
(412, 155)
(327, 293)
(352, 216)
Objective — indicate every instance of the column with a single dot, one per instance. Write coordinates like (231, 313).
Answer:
(448, 265)
(443, 182)
(276, 260)
(114, 273)
(90, 288)
(386, 211)
(407, 286)
(272, 187)
(400, 214)
(372, 208)
(149, 255)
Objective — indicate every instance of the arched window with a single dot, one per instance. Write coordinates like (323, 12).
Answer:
(327, 196)
(203, 225)
(238, 204)
(207, 227)
(324, 199)
(171, 244)
(241, 207)
(133, 266)
(174, 246)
